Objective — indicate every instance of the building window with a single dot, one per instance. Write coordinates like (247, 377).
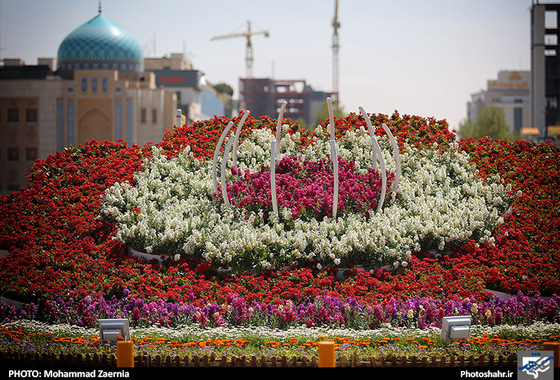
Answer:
(84, 84)
(93, 84)
(70, 119)
(13, 115)
(551, 19)
(143, 115)
(517, 118)
(31, 154)
(129, 120)
(105, 84)
(60, 124)
(154, 115)
(13, 154)
(118, 119)
(31, 115)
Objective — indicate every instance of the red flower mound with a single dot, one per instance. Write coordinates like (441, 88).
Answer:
(57, 244)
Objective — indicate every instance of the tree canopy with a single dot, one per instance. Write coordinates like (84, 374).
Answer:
(323, 114)
(490, 122)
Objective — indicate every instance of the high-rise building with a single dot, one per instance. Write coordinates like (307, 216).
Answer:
(264, 96)
(545, 68)
(196, 97)
(511, 93)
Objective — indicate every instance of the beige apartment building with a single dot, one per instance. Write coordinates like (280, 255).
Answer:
(511, 92)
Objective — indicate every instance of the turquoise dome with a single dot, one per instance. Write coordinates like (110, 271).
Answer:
(100, 44)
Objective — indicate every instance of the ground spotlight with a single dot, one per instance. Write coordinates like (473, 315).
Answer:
(111, 329)
(456, 327)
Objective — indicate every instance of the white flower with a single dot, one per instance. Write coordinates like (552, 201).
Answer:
(441, 202)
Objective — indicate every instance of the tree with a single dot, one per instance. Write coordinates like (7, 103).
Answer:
(323, 114)
(224, 88)
(490, 122)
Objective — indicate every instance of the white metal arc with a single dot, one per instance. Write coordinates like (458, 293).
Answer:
(273, 176)
(237, 133)
(216, 154)
(395, 185)
(334, 158)
(275, 151)
(377, 152)
(223, 171)
(279, 126)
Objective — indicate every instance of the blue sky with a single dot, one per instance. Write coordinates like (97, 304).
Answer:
(418, 57)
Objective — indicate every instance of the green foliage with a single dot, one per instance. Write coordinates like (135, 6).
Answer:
(490, 122)
(323, 114)
(224, 88)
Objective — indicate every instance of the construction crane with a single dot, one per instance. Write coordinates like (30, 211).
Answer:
(249, 50)
(335, 46)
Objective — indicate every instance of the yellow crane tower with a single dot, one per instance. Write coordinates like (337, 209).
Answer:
(249, 49)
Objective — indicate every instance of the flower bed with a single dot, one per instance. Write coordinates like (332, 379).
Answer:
(321, 311)
(366, 348)
(172, 209)
(59, 248)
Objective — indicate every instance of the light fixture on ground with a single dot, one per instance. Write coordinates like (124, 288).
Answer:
(457, 327)
(111, 329)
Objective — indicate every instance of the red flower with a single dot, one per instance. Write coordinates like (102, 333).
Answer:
(58, 245)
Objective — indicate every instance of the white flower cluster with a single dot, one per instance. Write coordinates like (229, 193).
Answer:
(172, 210)
(535, 330)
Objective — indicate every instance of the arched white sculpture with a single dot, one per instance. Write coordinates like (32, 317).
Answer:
(395, 185)
(233, 139)
(334, 158)
(376, 149)
(279, 125)
(216, 154)
(237, 133)
(223, 171)
(275, 151)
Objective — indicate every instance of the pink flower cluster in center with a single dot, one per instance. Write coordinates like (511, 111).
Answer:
(305, 187)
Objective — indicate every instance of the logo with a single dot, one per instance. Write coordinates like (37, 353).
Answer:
(514, 76)
(171, 80)
(535, 365)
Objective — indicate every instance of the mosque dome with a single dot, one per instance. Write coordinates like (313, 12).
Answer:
(100, 44)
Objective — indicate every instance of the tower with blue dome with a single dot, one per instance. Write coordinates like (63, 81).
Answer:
(99, 44)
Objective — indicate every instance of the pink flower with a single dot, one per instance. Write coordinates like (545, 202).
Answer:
(306, 188)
